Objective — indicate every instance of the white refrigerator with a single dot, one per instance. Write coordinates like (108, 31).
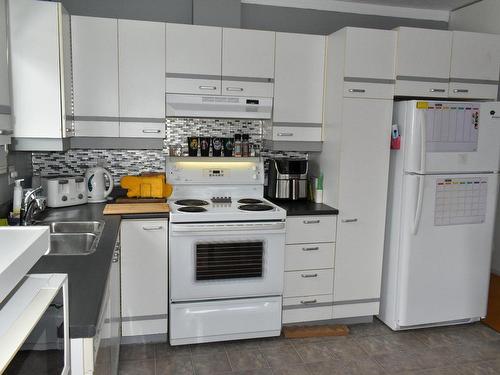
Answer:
(443, 187)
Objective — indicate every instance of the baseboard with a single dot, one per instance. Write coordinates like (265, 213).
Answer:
(145, 339)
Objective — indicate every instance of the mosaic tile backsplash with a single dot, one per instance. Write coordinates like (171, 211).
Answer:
(125, 162)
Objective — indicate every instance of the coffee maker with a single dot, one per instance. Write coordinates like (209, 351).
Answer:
(286, 178)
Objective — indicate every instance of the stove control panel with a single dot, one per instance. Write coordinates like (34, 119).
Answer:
(215, 172)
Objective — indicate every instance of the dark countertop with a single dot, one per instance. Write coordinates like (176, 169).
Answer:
(87, 274)
(303, 207)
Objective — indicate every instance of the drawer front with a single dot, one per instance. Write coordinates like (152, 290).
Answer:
(309, 256)
(305, 309)
(311, 229)
(473, 91)
(422, 89)
(308, 282)
(142, 130)
(297, 133)
(368, 90)
(243, 88)
(97, 129)
(193, 86)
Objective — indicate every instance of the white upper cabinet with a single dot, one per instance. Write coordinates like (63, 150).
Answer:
(475, 65)
(39, 63)
(141, 62)
(193, 59)
(5, 110)
(95, 75)
(423, 62)
(370, 54)
(247, 62)
(299, 80)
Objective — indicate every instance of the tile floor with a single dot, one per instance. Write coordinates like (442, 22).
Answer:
(369, 349)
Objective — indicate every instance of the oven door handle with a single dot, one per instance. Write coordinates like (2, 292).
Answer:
(226, 227)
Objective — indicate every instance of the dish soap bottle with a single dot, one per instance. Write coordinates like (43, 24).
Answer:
(18, 197)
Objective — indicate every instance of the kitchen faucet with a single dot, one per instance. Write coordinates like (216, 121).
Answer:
(31, 205)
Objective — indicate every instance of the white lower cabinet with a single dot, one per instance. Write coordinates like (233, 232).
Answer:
(144, 277)
(309, 268)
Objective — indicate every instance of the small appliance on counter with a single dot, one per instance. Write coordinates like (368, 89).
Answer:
(96, 184)
(286, 178)
(147, 185)
(65, 191)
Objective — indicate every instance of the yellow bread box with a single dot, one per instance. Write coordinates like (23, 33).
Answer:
(146, 186)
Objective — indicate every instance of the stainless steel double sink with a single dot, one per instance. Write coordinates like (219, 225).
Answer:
(73, 237)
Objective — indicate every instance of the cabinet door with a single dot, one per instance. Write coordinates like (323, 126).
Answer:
(378, 47)
(247, 62)
(144, 277)
(141, 75)
(423, 62)
(95, 75)
(115, 309)
(5, 124)
(363, 179)
(475, 65)
(193, 61)
(299, 77)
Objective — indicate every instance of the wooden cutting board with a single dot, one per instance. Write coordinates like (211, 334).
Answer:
(135, 208)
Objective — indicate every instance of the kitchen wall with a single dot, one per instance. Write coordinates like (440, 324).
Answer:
(481, 17)
(22, 162)
(253, 16)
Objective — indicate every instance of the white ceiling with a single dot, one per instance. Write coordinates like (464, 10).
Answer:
(419, 4)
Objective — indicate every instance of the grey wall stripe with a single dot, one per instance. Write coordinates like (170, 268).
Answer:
(143, 119)
(477, 81)
(117, 119)
(298, 124)
(422, 79)
(96, 118)
(143, 317)
(307, 305)
(193, 76)
(356, 301)
(5, 110)
(370, 80)
(247, 79)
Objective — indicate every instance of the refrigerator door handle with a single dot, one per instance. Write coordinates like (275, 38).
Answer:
(420, 202)
(423, 142)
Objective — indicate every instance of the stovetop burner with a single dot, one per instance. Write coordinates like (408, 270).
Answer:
(256, 207)
(191, 202)
(249, 201)
(192, 209)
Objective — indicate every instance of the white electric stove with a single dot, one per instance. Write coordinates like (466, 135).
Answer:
(226, 256)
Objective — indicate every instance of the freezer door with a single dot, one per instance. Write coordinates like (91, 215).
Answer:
(451, 137)
(445, 248)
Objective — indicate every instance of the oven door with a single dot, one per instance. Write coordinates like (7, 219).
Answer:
(226, 260)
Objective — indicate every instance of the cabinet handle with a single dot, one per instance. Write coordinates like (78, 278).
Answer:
(312, 221)
(357, 90)
(309, 301)
(153, 228)
(285, 134)
(6, 132)
(437, 90)
(461, 91)
(151, 130)
(234, 88)
(207, 87)
(310, 248)
(309, 275)
(349, 220)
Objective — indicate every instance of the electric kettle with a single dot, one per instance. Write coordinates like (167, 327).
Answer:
(96, 184)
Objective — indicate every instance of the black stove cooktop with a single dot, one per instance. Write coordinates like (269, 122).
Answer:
(191, 202)
(192, 209)
(250, 201)
(256, 207)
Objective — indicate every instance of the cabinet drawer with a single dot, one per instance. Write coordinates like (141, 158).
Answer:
(473, 91)
(245, 88)
(193, 86)
(297, 133)
(368, 90)
(308, 283)
(309, 308)
(97, 129)
(420, 88)
(142, 130)
(311, 229)
(309, 256)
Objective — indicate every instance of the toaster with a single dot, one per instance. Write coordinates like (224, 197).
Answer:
(65, 191)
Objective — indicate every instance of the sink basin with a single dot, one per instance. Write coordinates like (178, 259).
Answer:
(72, 243)
(74, 226)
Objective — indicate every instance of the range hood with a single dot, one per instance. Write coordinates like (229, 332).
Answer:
(212, 106)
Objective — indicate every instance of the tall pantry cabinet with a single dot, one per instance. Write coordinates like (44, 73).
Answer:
(360, 77)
